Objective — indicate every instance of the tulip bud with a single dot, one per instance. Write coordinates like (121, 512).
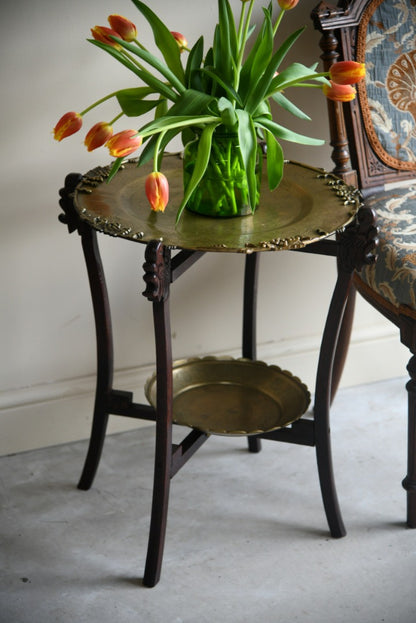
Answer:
(123, 26)
(124, 143)
(98, 135)
(104, 34)
(68, 124)
(157, 191)
(347, 72)
(339, 92)
(286, 5)
(180, 39)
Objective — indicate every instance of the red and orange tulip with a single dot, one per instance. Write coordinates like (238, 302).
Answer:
(157, 191)
(124, 143)
(347, 72)
(68, 124)
(339, 92)
(98, 135)
(104, 34)
(123, 26)
(180, 39)
(286, 5)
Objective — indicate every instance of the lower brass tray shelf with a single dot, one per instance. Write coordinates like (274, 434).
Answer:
(227, 396)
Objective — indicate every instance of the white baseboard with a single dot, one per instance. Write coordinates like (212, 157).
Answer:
(57, 413)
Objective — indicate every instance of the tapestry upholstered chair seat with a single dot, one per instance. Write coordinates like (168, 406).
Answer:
(393, 276)
(374, 147)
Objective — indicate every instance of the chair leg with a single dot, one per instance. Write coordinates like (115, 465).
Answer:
(322, 404)
(409, 483)
(104, 355)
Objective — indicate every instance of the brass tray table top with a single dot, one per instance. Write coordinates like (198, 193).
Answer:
(226, 396)
(308, 205)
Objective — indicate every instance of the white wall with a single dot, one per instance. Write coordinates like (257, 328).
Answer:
(46, 330)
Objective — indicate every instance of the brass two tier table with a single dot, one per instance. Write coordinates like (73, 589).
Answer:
(312, 212)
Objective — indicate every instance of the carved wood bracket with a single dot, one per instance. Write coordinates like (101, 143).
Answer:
(359, 241)
(157, 272)
(344, 14)
(70, 217)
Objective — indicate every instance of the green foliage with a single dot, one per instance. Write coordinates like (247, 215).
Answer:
(204, 151)
(227, 86)
(132, 102)
(164, 41)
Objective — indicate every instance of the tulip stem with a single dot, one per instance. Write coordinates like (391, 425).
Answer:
(156, 155)
(307, 85)
(98, 102)
(137, 42)
(279, 19)
(299, 82)
(116, 118)
(133, 60)
(242, 40)
(240, 26)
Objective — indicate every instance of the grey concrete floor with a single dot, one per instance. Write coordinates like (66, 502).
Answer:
(247, 538)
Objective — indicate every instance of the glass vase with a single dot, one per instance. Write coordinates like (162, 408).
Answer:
(223, 189)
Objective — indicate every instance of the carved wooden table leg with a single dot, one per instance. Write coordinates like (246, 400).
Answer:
(105, 358)
(102, 326)
(157, 276)
(249, 321)
(357, 246)
(323, 401)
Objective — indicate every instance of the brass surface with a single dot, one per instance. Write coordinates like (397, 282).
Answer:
(308, 205)
(226, 396)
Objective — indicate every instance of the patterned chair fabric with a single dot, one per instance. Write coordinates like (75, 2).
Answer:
(387, 45)
(393, 276)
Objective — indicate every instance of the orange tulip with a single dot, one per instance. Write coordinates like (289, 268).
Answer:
(123, 26)
(286, 5)
(124, 143)
(347, 72)
(98, 135)
(180, 39)
(104, 34)
(339, 92)
(157, 191)
(68, 124)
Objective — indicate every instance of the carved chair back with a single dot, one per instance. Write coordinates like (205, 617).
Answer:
(374, 136)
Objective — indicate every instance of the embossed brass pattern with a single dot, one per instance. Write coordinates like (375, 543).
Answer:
(226, 396)
(309, 204)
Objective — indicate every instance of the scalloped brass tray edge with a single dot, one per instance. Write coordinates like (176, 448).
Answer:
(186, 377)
(109, 209)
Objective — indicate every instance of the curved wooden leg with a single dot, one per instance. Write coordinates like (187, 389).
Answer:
(409, 483)
(104, 354)
(103, 330)
(322, 404)
(249, 321)
(158, 277)
(343, 342)
(163, 450)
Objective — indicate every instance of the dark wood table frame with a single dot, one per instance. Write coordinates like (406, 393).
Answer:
(352, 247)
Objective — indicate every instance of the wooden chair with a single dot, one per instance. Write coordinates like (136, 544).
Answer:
(374, 147)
